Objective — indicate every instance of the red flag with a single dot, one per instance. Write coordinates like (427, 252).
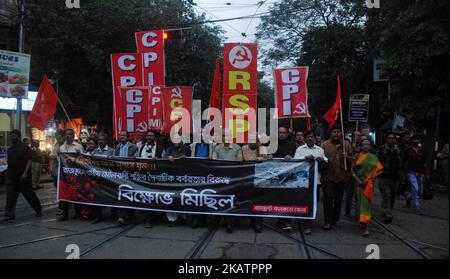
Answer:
(332, 114)
(214, 100)
(45, 105)
(308, 127)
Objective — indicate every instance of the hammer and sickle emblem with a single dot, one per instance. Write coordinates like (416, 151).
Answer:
(300, 109)
(142, 127)
(242, 55)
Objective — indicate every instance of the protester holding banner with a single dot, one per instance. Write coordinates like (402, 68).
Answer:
(202, 149)
(364, 171)
(150, 149)
(19, 177)
(286, 150)
(227, 151)
(69, 146)
(102, 150)
(252, 152)
(125, 149)
(176, 150)
(87, 211)
(389, 156)
(335, 176)
(310, 152)
(91, 145)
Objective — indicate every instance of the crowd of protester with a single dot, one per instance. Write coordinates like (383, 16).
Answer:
(347, 167)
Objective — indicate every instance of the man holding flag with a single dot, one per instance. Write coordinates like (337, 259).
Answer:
(339, 153)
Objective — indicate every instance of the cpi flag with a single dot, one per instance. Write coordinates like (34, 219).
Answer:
(134, 110)
(126, 71)
(45, 105)
(240, 82)
(177, 107)
(291, 92)
(151, 45)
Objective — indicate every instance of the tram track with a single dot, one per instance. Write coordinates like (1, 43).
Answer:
(200, 246)
(23, 243)
(303, 242)
(402, 239)
(108, 239)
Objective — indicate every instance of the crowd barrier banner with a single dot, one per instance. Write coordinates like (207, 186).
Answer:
(274, 188)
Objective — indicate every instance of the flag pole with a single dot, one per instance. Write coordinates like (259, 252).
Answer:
(67, 115)
(343, 135)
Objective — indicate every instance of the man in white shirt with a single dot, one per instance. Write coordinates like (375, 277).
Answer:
(70, 146)
(310, 151)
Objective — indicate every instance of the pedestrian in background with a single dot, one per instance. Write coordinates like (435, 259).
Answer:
(415, 170)
(299, 139)
(390, 157)
(59, 136)
(36, 165)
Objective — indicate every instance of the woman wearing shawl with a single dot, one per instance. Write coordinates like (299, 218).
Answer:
(364, 170)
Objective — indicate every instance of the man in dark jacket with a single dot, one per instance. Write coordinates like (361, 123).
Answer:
(390, 157)
(286, 150)
(19, 177)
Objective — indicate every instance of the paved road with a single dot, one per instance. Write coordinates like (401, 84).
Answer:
(409, 236)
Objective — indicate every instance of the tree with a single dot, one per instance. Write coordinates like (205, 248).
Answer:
(412, 38)
(290, 21)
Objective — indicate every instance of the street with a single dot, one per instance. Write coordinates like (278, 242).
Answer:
(409, 236)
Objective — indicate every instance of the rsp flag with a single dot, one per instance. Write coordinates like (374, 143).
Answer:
(291, 92)
(177, 107)
(151, 45)
(273, 188)
(240, 84)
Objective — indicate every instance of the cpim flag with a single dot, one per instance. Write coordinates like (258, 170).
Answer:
(332, 114)
(45, 105)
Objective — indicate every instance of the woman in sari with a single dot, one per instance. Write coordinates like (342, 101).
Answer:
(365, 168)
